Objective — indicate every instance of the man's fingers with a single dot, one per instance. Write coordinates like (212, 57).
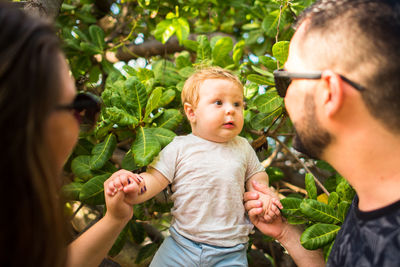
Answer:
(251, 195)
(255, 212)
(251, 204)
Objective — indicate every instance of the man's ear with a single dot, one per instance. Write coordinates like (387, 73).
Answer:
(332, 95)
(189, 111)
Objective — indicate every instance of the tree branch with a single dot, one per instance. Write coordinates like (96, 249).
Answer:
(153, 47)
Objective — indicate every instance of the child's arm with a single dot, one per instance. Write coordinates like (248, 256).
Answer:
(137, 187)
(271, 203)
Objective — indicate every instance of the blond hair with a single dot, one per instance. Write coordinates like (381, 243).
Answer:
(190, 91)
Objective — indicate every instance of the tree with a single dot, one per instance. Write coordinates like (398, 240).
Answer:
(136, 56)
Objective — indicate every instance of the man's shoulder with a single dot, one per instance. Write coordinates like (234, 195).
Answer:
(368, 238)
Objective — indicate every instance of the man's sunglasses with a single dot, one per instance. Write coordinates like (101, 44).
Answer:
(86, 109)
(284, 78)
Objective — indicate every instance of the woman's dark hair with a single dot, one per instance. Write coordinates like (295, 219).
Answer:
(32, 224)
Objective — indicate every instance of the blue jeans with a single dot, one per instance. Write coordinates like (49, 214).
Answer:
(177, 250)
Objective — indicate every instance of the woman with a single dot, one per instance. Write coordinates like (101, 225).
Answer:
(39, 124)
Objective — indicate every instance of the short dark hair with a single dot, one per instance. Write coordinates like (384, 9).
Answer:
(33, 230)
(363, 41)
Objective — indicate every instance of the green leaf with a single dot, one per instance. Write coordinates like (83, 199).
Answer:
(137, 231)
(102, 152)
(186, 72)
(345, 191)
(164, 30)
(262, 120)
(182, 29)
(258, 79)
(170, 119)
(297, 220)
(119, 243)
(203, 49)
(139, 96)
(167, 97)
(318, 235)
(83, 147)
(97, 36)
(220, 53)
(333, 199)
(92, 192)
(238, 50)
(90, 48)
(80, 166)
(145, 147)
(183, 60)
(166, 73)
(250, 89)
(71, 191)
(310, 186)
(268, 62)
(268, 102)
(318, 211)
(128, 162)
(263, 72)
(153, 101)
(146, 252)
(280, 51)
(343, 208)
(270, 23)
(191, 45)
(290, 205)
(120, 117)
(275, 174)
(164, 136)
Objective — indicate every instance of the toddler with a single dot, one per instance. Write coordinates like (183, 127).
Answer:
(208, 170)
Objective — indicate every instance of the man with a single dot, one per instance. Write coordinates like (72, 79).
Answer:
(344, 101)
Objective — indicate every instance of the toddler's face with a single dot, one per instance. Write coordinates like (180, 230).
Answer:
(218, 116)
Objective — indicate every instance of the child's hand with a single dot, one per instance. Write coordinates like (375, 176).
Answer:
(130, 183)
(271, 207)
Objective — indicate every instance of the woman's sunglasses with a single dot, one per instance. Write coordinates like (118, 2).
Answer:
(284, 78)
(86, 109)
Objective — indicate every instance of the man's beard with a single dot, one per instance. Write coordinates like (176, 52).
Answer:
(312, 139)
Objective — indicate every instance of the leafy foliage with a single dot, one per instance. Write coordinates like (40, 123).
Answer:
(141, 110)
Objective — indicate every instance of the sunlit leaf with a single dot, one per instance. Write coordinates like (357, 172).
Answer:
(102, 152)
(318, 211)
(153, 101)
(310, 186)
(92, 192)
(318, 235)
(164, 136)
(262, 80)
(145, 147)
(280, 51)
(170, 119)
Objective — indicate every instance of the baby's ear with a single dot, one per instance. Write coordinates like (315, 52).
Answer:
(189, 111)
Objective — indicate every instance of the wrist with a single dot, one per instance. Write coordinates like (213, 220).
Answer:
(116, 221)
(289, 234)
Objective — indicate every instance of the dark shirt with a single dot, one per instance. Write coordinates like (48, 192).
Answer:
(368, 238)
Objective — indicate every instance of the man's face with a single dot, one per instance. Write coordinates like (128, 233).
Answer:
(311, 138)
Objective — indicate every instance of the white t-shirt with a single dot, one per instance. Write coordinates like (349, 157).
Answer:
(208, 183)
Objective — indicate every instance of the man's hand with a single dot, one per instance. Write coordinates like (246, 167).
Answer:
(273, 227)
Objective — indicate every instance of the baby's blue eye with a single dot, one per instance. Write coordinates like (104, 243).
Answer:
(218, 102)
(237, 104)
